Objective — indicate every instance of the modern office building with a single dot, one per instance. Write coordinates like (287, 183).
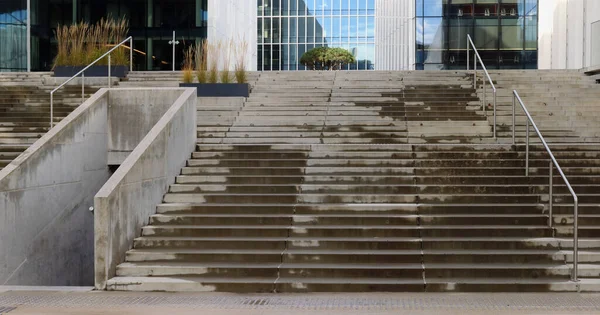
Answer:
(382, 34)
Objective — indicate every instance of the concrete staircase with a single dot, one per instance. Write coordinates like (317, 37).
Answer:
(349, 181)
(349, 107)
(25, 110)
(562, 102)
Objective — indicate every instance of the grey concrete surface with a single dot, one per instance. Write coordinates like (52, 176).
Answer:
(125, 203)
(131, 117)
(95, 81)
(46, 228)
(46, 234)
(61, 302)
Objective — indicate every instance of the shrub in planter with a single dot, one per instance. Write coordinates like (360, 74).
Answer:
(80, 44)
(201, 59)
(326, 58)
(241, 49)
(206, 58)
(188, 65)
(214, 51)
(225, 74)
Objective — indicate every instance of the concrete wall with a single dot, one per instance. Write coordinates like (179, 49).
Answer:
(567, 38)
(46, 230)
(131, 117)
(234, 19)
(395, 35)
(126, 202)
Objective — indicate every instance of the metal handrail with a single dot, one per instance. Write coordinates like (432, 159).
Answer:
(82, 73)
(469, 44)
(553, 163)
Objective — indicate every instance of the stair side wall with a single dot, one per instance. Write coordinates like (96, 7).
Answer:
(46, 230)
(124, 204)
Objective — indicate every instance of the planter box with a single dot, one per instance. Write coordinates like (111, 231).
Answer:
(93, 71)
(219, 89)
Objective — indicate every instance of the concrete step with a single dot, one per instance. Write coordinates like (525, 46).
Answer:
(339, 285)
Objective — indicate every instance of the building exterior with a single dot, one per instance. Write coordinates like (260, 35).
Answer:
(287, 29)
(382, 34)
(569, 34)
(504, 32)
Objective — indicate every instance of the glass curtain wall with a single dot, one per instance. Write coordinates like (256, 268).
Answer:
(289, 28)
(151, 24)
(13, 35)
(504, 32)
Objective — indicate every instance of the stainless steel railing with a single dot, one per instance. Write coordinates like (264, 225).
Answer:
(478, 58)
(82, 73)
(553, 163)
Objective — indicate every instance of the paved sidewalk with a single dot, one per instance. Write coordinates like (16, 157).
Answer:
(83, 301)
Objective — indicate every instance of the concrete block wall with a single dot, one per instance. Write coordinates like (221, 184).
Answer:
(125, 203)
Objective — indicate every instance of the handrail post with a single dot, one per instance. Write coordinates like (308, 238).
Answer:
(475, 74)
(109, 71)
(575, 276)
(550, 195)
(514, 126)
(82, 87)
(468, 53)
(130, 53)
(484, 98)
(494, 113)
(527, 149)
(51, 109)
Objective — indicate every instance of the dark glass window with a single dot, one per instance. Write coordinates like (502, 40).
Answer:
(13, 35)
(504, 32)
(151, 23)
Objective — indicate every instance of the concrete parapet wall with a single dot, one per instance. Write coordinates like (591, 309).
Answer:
(131, 117)
(125, 203)
(46, 235)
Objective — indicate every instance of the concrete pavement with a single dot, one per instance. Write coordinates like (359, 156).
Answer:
(84, 301)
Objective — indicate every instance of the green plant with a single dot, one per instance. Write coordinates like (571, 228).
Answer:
(188, 76)
(338, 57)
(326, 58)
(81, 43)
(201, 49)
(213, 63)
(225, 73)
(188, 65)
(241, 49)
(314, 59)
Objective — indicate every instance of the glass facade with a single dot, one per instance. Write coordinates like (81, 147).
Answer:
(152, 23)
(505, 33)
(13, 35)
(288, 28)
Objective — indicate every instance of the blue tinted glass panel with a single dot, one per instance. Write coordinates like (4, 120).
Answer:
(433, 7)
(504, 31)
(349, 24)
